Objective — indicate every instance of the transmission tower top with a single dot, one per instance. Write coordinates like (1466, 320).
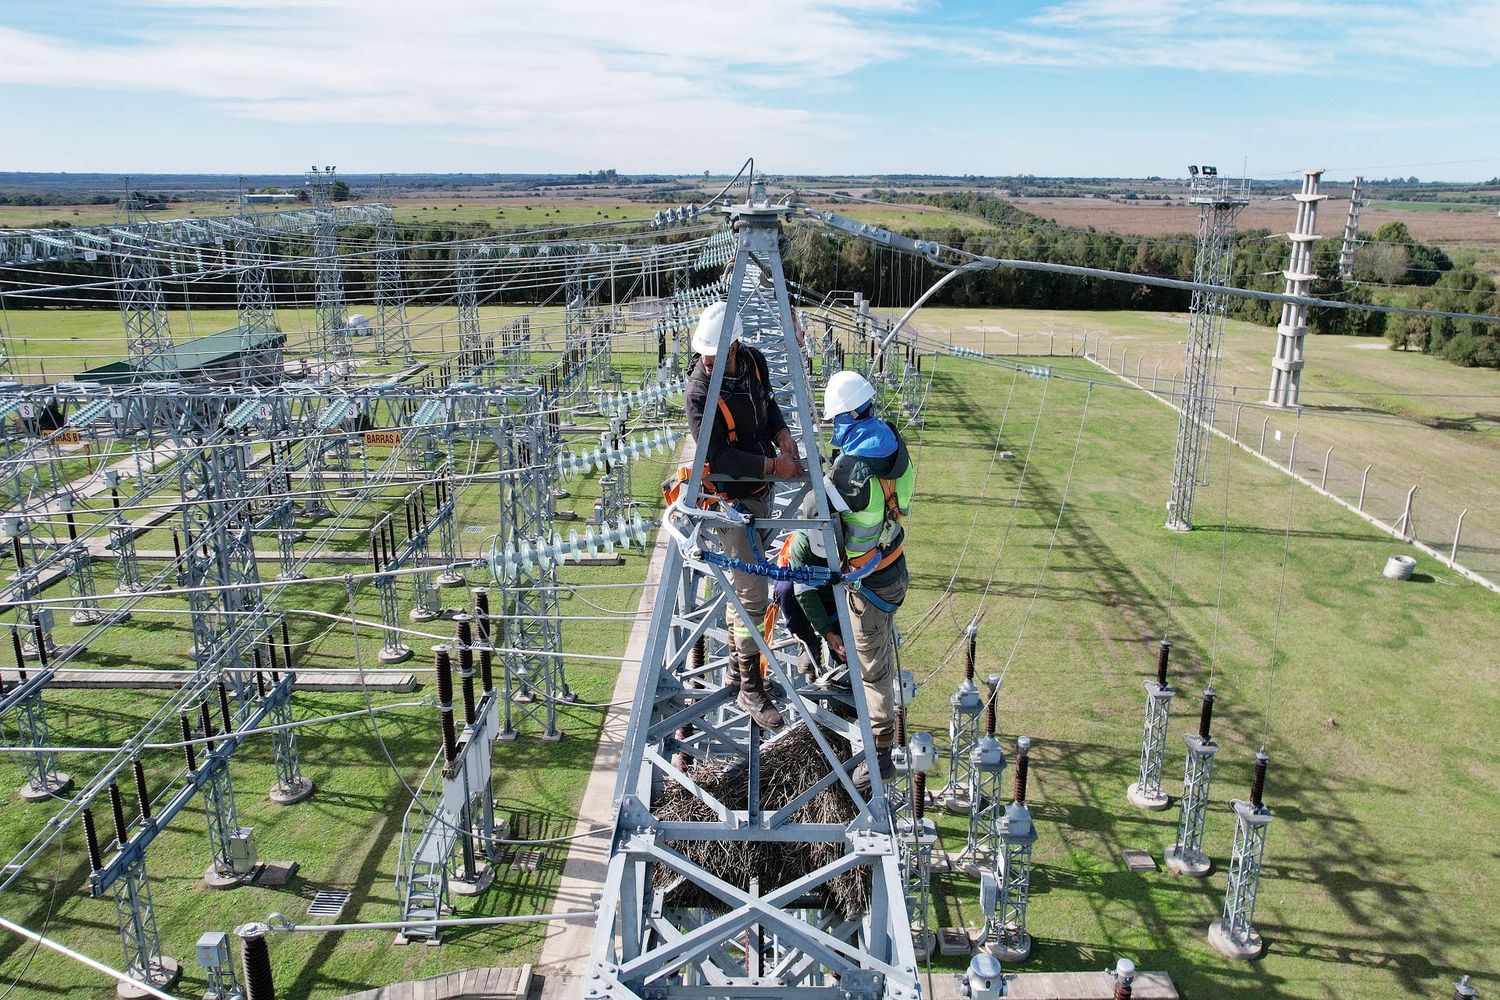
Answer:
(1206, 187)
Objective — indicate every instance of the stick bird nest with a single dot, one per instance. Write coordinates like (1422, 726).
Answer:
(788, 766)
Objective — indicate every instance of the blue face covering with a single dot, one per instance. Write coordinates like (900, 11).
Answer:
(865, 435)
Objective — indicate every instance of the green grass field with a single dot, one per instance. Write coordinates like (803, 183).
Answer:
(1373, 713)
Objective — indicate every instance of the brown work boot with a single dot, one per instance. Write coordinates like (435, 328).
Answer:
(861, 775)
(753, 699)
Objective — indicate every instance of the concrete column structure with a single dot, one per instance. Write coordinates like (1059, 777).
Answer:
(1291, 332)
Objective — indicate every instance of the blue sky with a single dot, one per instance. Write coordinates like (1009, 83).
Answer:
(1093, 87)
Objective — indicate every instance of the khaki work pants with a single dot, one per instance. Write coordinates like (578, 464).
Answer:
(875, 642)
(753, 591)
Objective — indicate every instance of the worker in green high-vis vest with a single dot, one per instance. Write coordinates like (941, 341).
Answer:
(870, 485)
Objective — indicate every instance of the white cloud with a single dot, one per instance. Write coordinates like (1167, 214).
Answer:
(566, 77)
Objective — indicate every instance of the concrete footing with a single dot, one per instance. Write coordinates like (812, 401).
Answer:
(394, 654)
(483, 880)
(214, 880)
(424, 615)
(165, 979)
(1008, 953)
(59, 784)
(1141, 800)
(1227, 946)
(1178, 863)
(285, 796)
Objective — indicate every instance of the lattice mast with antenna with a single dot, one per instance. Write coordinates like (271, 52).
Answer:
(1219, 200)
(1351, 231)
(1291, 332)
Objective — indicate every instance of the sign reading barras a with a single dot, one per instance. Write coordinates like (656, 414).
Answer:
(387, 439)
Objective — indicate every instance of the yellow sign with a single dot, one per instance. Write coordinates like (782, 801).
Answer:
(388, 439)
(68, 435)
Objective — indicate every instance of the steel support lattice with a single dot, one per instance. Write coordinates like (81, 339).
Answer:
(465, 279)
(148, 334)
(760, 940)
(1218, 204)
(335, 348)
(1350, 243)
(1146, 791)
(137, 920)
(260, 356)
(1291, 332)
(1186, 855)
(1234, 931)
(530, 630)
(392, 333)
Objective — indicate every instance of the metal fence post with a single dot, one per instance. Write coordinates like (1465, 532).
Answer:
(1263, 423)
(1291, 460)
(1406, 527)
(1018, 343)
(1156, 377)
(1323, 484)
(1363, 479)
(1236, 433)
(1457, 530)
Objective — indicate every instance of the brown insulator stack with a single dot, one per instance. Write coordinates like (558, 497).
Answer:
(225, 715)
(188, 751)
(444, 672)
(971, 650)
(465, 634)
(919, 795)
(1023, 769)
(206, 717)
(117, 809)
(483, 633)
(991, 708)
(1162, 655)
(1258, 782)
(141, 791)
(91, 840)
(1206, 716)
(255, 959)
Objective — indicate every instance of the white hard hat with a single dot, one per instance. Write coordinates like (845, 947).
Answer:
(846, 391)
(706, 333)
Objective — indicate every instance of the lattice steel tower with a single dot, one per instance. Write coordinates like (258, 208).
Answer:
(1351, 231)
(1291, 332)
(261, 361)
(1219, 201)
(148, 335)
(391, 329)
(333, 334)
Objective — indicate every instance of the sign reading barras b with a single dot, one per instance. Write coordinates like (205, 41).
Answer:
(387, 439)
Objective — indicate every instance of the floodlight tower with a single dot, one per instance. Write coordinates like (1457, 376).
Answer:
(1351, 231)
(1146, 791)
(334, 345)
(1185, 856)
(1219, 201)
(1291, 332)
(1233, 934)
